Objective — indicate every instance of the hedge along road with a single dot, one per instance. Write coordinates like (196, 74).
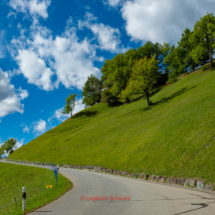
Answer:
(145, 197)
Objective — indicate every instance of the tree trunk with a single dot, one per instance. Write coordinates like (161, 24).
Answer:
(211, 61)
(193, 67)
(147, 97)
(128, 100)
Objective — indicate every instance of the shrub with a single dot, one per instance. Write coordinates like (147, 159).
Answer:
(108, 97)
(171, 80)
(203, 68)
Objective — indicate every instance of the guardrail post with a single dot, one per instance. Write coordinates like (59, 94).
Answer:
(24, 199)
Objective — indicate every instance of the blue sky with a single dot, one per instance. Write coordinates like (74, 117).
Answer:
(49, 48)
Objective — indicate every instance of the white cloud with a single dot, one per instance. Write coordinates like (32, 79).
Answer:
(34, 69)
(59, 116)
(10, 100)
(47, 62)
(26, 129)
(79, 106)
(165, 20)
(112, 3)
(23, 93)
(62, 117)
(40, 126)
(108, 37)
(33, 7)
(2, 45)
(19, 144)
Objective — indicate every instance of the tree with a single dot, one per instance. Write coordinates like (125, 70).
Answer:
(173, 63)
(91, 91)
(70, 104)
(204, 37)
(9, 145)
(143, 77)
(187, 45)
(1, 151)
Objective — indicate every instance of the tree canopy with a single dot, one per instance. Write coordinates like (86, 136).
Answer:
(143, 77)
(8, 147)
(204, 38)
(116, 72)
(91, 91)
(194, 48)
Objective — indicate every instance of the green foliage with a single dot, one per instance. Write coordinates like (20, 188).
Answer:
(203, 68)
(199, 55)
(143, 77)
(14, 177)
(171, 80)
(70, 104)
(1, 151)
(179, 58)
(8, 146)
(116, 72)
(91, 91)
(159, 51)
(109, 98)
(204, 34)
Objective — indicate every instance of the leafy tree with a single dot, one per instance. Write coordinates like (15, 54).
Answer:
(108, 97)
(204, 37)
(91, 91)
(116, 72)
(160, 51)
(9, 145)
(187, 45)
(1, 151)
(174, 62)
(70, 104)
(143, 77)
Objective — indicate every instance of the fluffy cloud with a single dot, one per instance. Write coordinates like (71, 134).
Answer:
(33, 7)
(62, 117)
(47, 62)
(19, 143)
(59, 116)
(108, 37)
(112, 3)
(10, 98)
(26, 129)
(34, 69)
(40, 126)
(160, 21)
(2, 46)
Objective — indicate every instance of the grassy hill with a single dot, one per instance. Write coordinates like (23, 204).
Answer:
(175, 137)
(14, 177)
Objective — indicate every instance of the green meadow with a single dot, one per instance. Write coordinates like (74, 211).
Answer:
(174, 137)
(13, 177)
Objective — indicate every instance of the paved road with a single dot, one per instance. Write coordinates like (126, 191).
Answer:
(145, 198)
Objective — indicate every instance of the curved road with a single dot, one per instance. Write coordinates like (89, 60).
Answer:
(146, 198)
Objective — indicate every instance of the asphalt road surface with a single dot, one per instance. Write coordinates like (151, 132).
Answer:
(141, 197)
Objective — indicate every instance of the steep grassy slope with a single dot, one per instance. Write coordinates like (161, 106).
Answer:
(14, 177)
(176, 136)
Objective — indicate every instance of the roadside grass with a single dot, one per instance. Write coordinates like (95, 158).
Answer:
(174, 137)
(14, 177)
